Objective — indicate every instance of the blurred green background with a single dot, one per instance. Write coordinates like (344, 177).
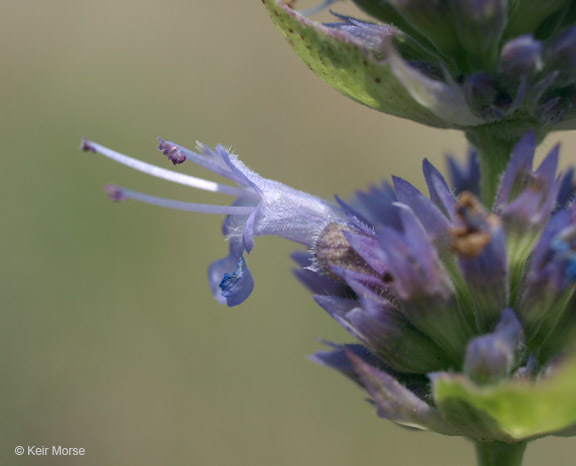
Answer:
(110, 339)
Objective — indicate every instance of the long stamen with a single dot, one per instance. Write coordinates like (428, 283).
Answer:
(318, 8)
(169, 175)
(116, 193)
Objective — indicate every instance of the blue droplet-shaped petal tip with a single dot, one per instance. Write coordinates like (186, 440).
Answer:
(237, 286)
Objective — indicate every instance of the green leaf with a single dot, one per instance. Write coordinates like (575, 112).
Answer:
(513, 409)
(342, 61)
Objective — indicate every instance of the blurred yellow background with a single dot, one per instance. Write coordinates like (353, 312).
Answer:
(110, 339)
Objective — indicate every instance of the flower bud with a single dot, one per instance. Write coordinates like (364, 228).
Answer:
(490, 358)
(520, 59)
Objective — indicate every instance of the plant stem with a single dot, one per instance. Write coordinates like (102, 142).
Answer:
(494, 144)
(493, 154)
(500, 453)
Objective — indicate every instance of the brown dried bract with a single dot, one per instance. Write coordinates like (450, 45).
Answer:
(332, 249)
(474, 234)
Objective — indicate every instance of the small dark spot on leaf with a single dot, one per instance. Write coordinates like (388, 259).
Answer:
(365, 62)
(378, 80)
(291, 31)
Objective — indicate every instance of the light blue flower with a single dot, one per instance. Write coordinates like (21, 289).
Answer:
(262, 207)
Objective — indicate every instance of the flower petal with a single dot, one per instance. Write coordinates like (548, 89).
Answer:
(338, 360)
(230, 279)
(465, 177)
(439, 191)
(491, 357)
(434, 221)
(396, 403)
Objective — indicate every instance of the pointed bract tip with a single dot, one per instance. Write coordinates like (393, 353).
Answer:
(172, 151)
(115, 193)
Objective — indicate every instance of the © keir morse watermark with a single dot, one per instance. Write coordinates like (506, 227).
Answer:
(53, 450)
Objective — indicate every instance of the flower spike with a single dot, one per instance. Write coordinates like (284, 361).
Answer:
(461, 314)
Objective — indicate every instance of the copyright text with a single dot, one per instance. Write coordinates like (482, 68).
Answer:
(54, 450)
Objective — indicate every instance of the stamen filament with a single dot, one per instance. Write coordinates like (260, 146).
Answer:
(169, 175)
(120, 193)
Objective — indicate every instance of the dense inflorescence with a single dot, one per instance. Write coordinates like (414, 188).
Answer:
(461, 301)
(444, 296)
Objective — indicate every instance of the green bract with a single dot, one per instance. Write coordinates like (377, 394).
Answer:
(343, 62)
(512, 410)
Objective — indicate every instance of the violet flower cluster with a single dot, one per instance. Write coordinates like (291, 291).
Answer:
(461, 301)
(438, 290)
